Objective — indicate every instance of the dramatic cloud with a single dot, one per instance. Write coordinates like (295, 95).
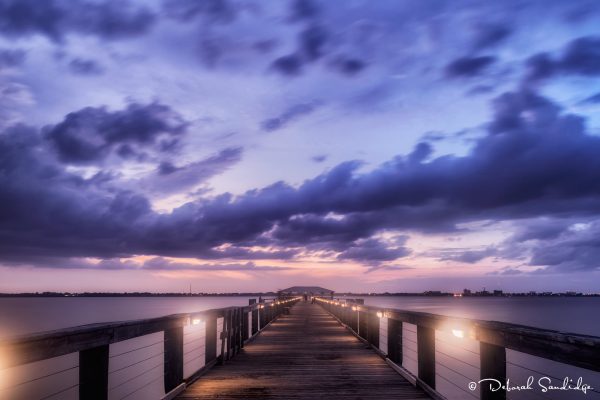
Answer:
(580, 57)
(372, 251)
(534, 161)
(56, 19)
(91, 134)
(468, 256)
(469, 66)
(185, 170)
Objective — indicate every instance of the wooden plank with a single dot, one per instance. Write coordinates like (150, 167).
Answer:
(93, 373)
(304, 355)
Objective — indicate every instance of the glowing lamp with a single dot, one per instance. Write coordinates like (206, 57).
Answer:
(458, 333)
(379, 314)
(196, 321)
(354, 308)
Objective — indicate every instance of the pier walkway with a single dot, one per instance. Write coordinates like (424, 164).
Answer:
(304, 355)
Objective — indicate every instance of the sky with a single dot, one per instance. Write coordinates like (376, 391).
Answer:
(244, 145)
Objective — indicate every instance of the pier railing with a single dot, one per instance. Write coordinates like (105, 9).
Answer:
(121, 360)
(449, 356)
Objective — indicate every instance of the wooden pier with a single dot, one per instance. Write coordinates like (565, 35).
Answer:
(304, 355)
(287, 348)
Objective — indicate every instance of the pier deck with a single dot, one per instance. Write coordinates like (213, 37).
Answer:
(304, 355)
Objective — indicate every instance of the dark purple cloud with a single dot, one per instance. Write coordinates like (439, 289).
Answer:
(91, 134)
(468, 256)
(56, 19)
(490, 35)
(372, 252)
(579, 57)
(535, 161)
(467, 67)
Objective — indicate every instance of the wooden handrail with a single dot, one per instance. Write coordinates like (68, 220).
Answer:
(24, 349)
(495, 337)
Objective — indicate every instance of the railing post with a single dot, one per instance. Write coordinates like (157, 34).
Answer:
(262, 312)
(426, 354)
(493, 365)
(211, 339)
(373, 330)
(173, 366)
(93, 373)
(395, 340)
(254, 321)
(244, 327)
(353, 319)
(363, 324)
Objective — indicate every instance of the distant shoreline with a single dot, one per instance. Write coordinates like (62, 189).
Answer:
(272, 294)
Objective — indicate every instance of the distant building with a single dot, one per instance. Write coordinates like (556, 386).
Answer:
(305, 290)
(498, 293)
(467, 292)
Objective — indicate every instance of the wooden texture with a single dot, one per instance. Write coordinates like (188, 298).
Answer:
(304, 355)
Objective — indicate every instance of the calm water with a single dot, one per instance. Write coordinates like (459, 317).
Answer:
(27, 315)
(37, 314)
(567, 314)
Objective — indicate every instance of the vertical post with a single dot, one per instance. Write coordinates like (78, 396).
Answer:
(354, 320)
(93, 373)
(173, 365)
(363, 324)
(426, 354)
(211, 338)
(244, 328)
(263, 316)
(222, 337)
(373, 329)
(493, 365)
(395, 340)
(254, 321)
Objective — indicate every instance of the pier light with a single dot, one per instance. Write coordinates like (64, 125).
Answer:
(380, 314)
(354, 308)
(272, 304)
(261, 306)
(344, 305)
(196, 321)
(459, 333)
